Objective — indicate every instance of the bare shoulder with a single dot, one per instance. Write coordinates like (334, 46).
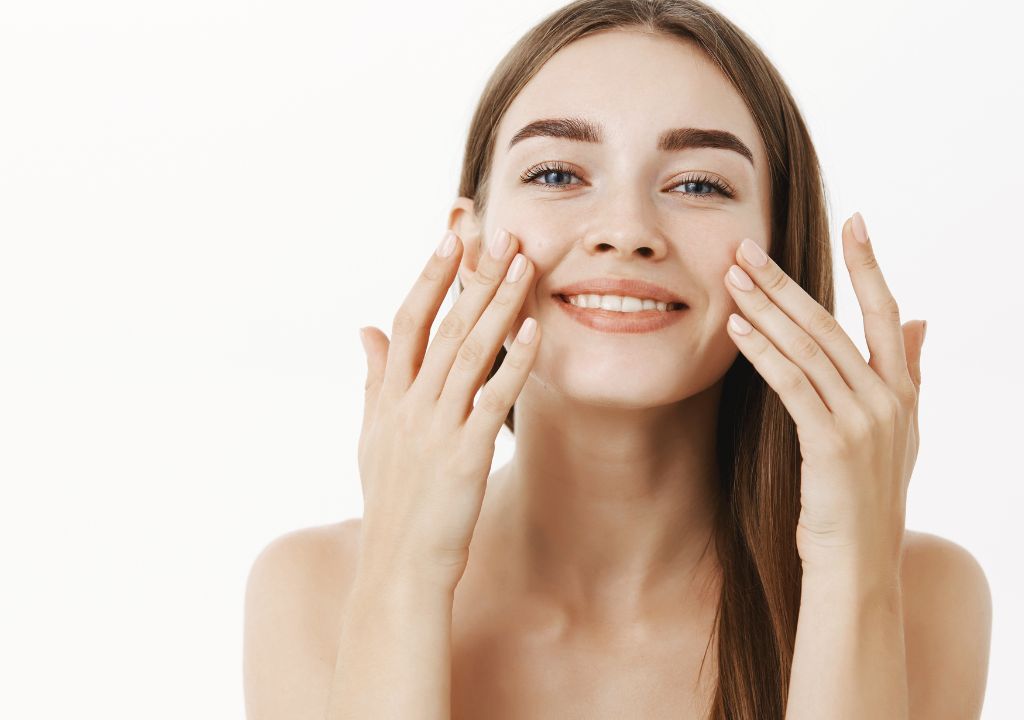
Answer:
(294, 597)
(947, 611)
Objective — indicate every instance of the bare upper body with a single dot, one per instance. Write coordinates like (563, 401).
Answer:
(518, 656)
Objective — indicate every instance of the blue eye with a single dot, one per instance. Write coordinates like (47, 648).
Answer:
(546, 170)
(551, 171)
(707, 182)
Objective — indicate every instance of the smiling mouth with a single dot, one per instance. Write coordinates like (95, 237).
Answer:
(671, 307)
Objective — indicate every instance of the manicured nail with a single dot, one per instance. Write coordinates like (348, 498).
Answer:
(740, 279)
(447, 245)
(526, 331)
(753, 253)
(739, 324)
(499, 243)
(515, 270)
(860, 230)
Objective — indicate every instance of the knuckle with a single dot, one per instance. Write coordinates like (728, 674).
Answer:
(763, 348)
(890, 307)
(868, 261)
(503, 298)
(433, 273)
(888, 310)
(792, 381)
(453, 326)
(470, 353)
(762, 304)
(493, 401)
(404, 322)
(803, 347)
(823, 324)
(516, 361)
(777, 281)
(890, 406)
(858, 427)
(487, 276)
(907, 394)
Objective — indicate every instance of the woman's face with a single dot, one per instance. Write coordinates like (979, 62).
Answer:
(623, 208)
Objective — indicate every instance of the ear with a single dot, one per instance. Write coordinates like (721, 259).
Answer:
(462, 218)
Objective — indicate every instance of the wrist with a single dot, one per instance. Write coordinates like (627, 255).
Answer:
(403, 577)
(860, 579)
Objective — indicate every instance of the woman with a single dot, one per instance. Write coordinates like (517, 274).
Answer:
(704, 514)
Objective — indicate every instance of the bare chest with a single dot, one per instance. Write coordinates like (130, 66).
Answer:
(501, 674)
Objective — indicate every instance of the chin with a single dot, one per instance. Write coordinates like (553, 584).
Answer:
(611, 380)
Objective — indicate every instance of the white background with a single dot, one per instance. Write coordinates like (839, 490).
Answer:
(202, 201)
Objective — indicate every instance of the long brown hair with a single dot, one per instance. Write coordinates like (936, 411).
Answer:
(757, 448)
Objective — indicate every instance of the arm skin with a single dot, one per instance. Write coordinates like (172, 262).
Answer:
(849, 661)
(394, 653)
(910, 643)
(329, 635)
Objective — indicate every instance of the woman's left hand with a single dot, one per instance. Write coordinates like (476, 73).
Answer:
(856, 421)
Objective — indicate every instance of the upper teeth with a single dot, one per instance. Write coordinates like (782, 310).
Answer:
(617, 303)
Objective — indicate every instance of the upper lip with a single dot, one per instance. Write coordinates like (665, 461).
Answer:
(634, 287)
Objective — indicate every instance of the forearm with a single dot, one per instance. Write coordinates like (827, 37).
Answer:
(394, 653)
(849, 661)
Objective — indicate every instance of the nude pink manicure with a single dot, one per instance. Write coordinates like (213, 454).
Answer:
(753, 253)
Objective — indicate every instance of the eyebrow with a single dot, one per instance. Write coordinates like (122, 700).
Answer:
(583, 130)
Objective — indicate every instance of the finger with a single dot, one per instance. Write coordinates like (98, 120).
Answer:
(410, 329)
(375, 345)
(500, 392)
(789, 381)
(476, 355)
(462, 318)
(882, 327)
(914, 365)
(809, 315)
(913, 339)
(796, 344)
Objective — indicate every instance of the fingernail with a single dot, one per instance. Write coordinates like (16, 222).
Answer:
(515, 270)
(753, 253)
(739, 324)
(526, 331)
(860, 230)
(739, 278)
(499, 243)
(447, 245)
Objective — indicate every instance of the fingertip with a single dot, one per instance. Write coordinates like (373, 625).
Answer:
(446, 247)
(860, 230)
(527, 331)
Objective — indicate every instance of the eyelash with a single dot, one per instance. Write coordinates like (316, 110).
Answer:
(533, 173)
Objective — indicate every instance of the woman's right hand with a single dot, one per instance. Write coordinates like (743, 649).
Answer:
(425, 450)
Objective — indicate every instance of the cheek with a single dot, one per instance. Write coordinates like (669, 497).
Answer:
(541, 244)
(708, 263)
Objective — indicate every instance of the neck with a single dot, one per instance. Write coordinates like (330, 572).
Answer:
(609, 512)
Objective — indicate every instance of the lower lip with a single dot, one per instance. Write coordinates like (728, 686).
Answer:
(619, 322)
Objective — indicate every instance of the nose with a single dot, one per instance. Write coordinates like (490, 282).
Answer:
(626, 228)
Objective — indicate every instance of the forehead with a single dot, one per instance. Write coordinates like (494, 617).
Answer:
(636, 84)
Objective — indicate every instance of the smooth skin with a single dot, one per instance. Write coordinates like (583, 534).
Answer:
(589, 586)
